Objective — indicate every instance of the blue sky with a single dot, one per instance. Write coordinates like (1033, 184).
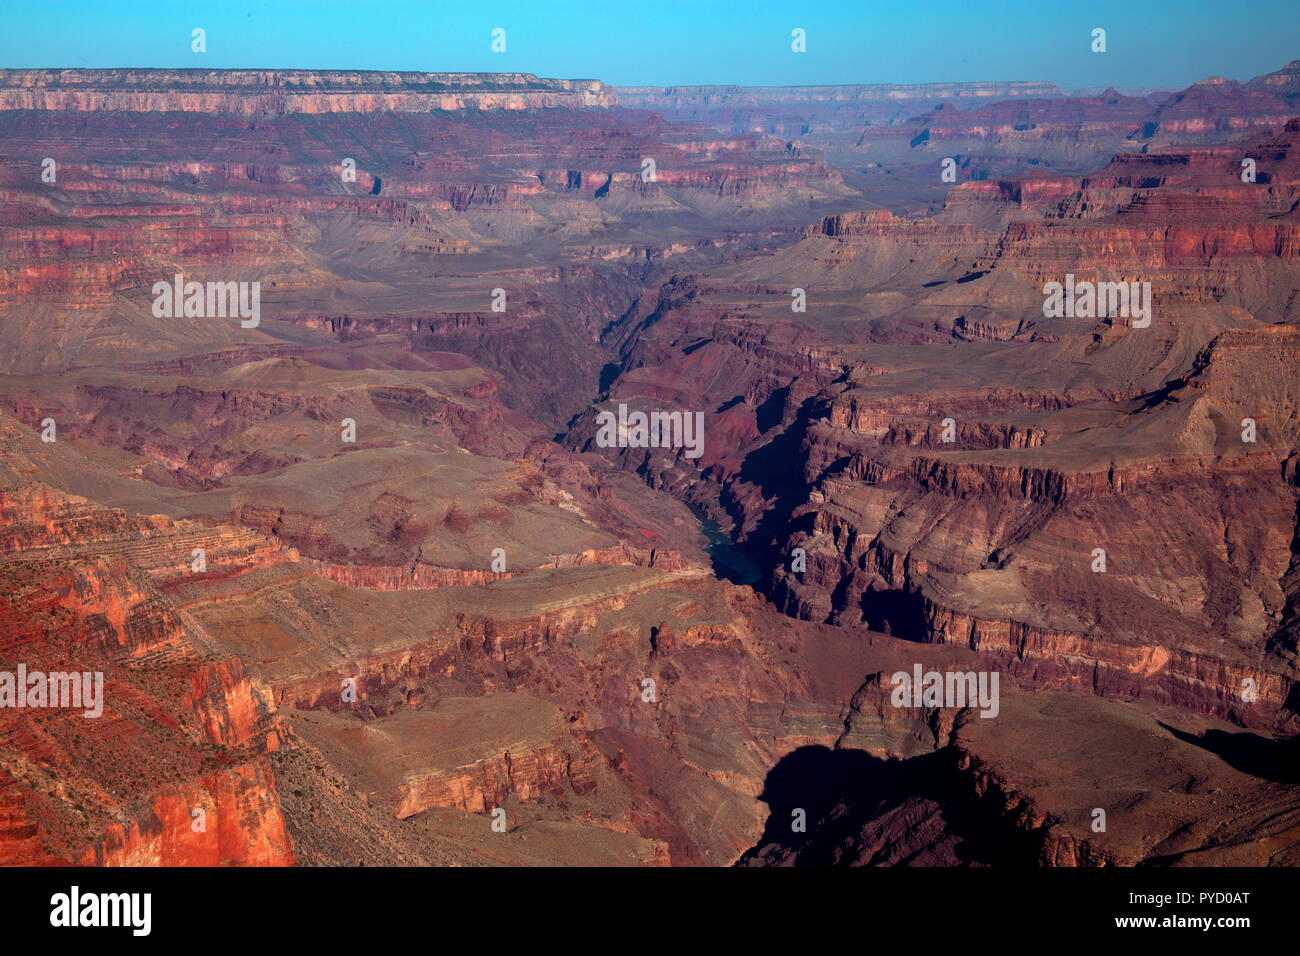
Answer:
(664, 42)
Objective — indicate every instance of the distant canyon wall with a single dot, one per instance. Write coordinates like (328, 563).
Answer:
(254, 92)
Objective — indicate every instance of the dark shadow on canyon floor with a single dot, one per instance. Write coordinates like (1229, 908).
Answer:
(899, 613)
(1259, 756)
(862, 810)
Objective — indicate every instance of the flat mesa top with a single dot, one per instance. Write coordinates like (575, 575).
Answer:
(260, 81)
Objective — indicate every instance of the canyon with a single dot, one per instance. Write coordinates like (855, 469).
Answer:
(366, 574)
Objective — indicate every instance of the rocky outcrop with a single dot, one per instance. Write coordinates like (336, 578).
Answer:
(177, 732)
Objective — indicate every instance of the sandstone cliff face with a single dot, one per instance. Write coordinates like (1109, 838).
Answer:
(488, 785)
(241, 820)
(177, 732)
